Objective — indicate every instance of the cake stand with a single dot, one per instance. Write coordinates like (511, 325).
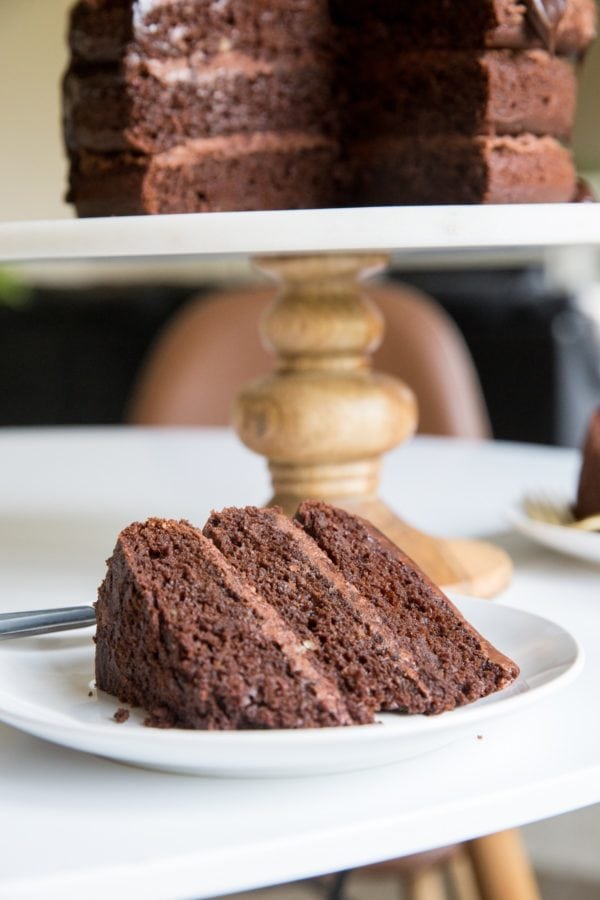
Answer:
(324, 419)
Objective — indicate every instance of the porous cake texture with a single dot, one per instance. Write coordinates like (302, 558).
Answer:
(167, 102)
(287, 568)
(563, 26)
(179, 634)
(456, 663)
(152, 105)
(243, 172)
(588, 488)
(463, 169)
(264, 622)
(103, 30)
(447, 92)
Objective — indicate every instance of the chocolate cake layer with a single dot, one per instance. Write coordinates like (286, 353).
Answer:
(152, 105)
(453, 169)
(181, 636)
(588, 489)
(101, 30)
(413, 24)
(440, 91)
(360, 652)
(455, 661)
(242, 172)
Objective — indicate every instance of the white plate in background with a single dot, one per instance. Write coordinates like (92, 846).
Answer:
(581, 544)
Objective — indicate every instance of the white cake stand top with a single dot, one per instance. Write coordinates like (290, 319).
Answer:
(390, 229)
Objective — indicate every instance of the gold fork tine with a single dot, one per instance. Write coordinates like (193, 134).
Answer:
(544, 508)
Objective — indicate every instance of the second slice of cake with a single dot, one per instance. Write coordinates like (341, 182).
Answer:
(338, 582)
(456, 662)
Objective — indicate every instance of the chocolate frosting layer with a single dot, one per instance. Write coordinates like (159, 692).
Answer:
(545, 17)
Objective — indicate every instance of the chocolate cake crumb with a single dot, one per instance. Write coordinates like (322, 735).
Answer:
(121, 715)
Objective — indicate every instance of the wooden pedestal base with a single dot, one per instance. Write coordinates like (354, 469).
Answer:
(324, 418)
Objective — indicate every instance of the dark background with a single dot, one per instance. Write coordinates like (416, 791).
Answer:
(69, 356)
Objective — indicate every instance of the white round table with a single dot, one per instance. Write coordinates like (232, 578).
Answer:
(74, 825)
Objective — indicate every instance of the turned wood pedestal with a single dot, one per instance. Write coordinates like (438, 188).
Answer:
(324, 419)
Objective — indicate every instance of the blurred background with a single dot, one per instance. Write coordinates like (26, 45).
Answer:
(73, 336)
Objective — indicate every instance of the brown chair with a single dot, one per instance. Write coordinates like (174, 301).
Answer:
(212, 347)
(192, 373)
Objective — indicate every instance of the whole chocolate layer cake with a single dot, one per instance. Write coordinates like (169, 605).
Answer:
(163, 98)
(262, 622)
(588, 489)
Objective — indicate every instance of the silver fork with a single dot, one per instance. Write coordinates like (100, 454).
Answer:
(44, 621)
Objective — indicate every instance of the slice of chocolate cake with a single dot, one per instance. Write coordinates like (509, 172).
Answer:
(288, 569)
(180, 635)
(269, 623)
(588, 490)
(366, 647)
(455, 661)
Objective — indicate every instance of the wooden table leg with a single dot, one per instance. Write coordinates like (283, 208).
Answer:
(502, 868)
(462, 877)
(427, 884)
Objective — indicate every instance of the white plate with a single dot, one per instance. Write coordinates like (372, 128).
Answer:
(412, 228)
(46, 692)
(582, 544)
